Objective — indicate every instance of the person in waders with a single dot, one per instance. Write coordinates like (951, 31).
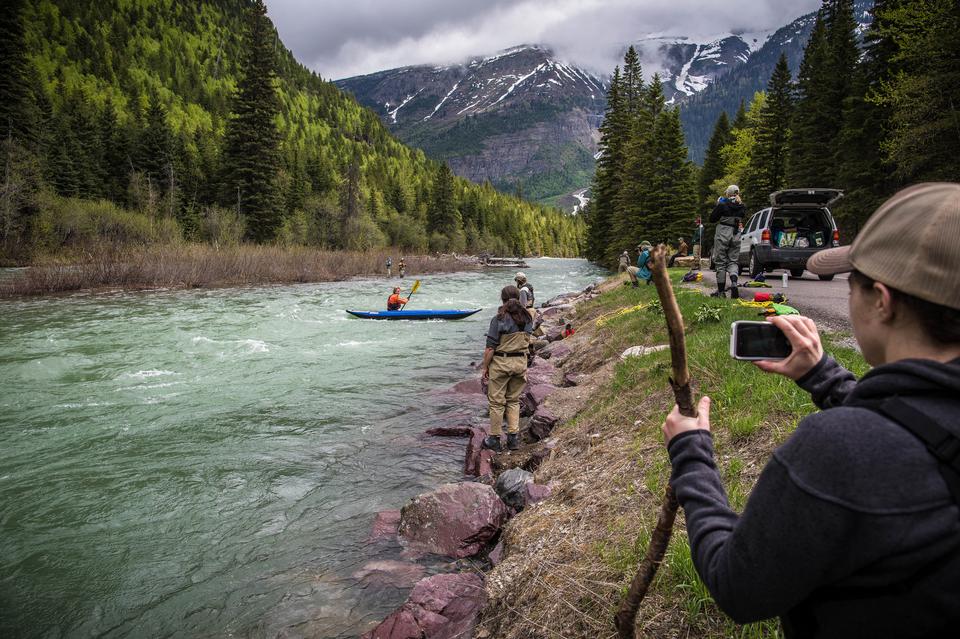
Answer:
(624, 262)
(389, 266)
(505, 367)
(853, 527)
(395, 302)
(402, 268)
(727, 215)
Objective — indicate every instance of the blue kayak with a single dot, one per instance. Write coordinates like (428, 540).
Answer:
(424, 314)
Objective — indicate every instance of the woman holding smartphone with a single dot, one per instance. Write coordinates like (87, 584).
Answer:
(853, 528)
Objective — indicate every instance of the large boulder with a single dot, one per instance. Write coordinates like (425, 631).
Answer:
(450, 431)
(542, 423)
(542, 372)
(563, 298)
(556, 311)
(556, 351)
(534, 493)
(538, 393)
(439, 607)
(455, 520)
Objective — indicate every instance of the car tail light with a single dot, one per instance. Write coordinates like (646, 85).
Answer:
(836, 237)
(765, 236)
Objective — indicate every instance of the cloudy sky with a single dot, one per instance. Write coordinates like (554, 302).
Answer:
(342, 38)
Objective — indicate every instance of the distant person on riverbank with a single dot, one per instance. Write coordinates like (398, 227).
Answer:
(728, 216)
(681, 252)
(402, 267)
(389, 266)
(697, 241)
(642, 270)
(568, 331)
(624, 262)
(395, 302)
(853, 527)
(526, 290)
(505, 367)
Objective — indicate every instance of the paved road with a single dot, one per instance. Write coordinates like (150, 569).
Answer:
(825, 302)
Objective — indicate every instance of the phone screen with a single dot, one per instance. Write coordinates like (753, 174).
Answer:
(760, 340)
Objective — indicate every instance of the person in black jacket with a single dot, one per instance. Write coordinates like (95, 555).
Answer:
(727, 215)
(853, 527)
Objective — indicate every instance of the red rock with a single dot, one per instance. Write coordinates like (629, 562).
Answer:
(385, 525)
(533, 493)
(398, 574)
(439, 607)
(556, 311)
(571, 379)
(496, 555)
(450, 431)
(556, 350)
(455, 520)
(542, 423)
(468, 387)
(542, 372)
(540, 392)
(473, 458)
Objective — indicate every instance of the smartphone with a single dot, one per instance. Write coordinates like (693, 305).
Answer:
(753, 341)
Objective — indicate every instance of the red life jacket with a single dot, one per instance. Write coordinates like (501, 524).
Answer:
(394, 302)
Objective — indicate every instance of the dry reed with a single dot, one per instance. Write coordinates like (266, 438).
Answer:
(201, 265)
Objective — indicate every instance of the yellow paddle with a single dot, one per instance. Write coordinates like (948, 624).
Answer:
(413, 290)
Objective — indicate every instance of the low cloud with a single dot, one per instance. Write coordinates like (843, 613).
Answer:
(342, 39)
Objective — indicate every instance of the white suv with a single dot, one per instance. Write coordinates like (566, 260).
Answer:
(795, 226)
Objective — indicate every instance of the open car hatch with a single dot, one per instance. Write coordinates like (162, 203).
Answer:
(789, 198)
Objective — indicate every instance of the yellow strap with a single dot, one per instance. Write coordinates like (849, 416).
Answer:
(603, 319)
(755, 304)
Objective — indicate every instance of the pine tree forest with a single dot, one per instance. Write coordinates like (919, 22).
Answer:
(868, 113)
(644, 187)
(165, 121)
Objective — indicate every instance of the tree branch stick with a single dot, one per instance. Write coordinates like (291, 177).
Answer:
(626, 617)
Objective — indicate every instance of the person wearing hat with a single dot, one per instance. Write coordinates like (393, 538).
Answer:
(642, 270)
(853, 527)
(682, 249)
(728, 215)
(624, 262)
(394, 301)
(526, 290)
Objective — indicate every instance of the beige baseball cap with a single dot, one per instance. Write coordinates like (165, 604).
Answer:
(911, 243)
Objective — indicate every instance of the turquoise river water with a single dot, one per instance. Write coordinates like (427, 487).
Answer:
(208, 463)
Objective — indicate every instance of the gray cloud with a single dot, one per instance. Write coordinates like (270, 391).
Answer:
(340, 39)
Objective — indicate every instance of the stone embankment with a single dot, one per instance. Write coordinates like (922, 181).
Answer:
(464, 520)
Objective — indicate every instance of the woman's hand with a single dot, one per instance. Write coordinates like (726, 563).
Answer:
(677, 423)
(807, 349)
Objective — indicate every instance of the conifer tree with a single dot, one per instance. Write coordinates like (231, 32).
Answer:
(633, 89)
(607, 179)
(768, 164)
(713, 165)
(811, 145)
(155, 145)
(442, 216)
(740, 118)
(15, 95)
(251, 159)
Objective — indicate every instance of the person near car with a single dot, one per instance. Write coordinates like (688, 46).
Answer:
(505, 367)
(853, 527)
(728, 216)
(682, 249)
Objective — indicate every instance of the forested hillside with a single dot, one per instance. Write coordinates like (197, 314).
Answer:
(192, 120)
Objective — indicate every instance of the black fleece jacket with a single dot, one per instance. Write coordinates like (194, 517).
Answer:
(851, 530)
(728, 212)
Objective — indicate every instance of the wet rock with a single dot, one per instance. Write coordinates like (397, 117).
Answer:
(563, 298)
(496, 555)
(468, 387)
(439, 607)
(510, 486)
(396, 574)
(385, 525)
(450, 431)
(455, 520)
(640, 351)
(477, 460)
(542, 423)
(556, 311)
(534, 493)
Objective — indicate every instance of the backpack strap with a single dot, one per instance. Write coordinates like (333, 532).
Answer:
(942, 444)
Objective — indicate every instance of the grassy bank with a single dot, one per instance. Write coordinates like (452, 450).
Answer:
(569, 560)
(185, 265)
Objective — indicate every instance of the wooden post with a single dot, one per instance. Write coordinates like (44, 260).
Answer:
(626, 617)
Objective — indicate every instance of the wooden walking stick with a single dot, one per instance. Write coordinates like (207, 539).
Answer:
(626, 617)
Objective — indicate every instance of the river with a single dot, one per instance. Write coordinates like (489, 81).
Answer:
(208, 463)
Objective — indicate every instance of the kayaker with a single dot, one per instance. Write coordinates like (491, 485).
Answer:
(505, 367)
(395, 302)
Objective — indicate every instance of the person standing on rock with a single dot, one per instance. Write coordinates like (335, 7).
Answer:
(526, 290)
(728, 215)
(853, 527)
(505, 367)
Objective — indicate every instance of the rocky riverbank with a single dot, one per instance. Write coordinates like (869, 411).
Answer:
(555, 530)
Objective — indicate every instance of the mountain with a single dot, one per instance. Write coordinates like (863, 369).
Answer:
(132, 101)
(521, 118)
(699, 111)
